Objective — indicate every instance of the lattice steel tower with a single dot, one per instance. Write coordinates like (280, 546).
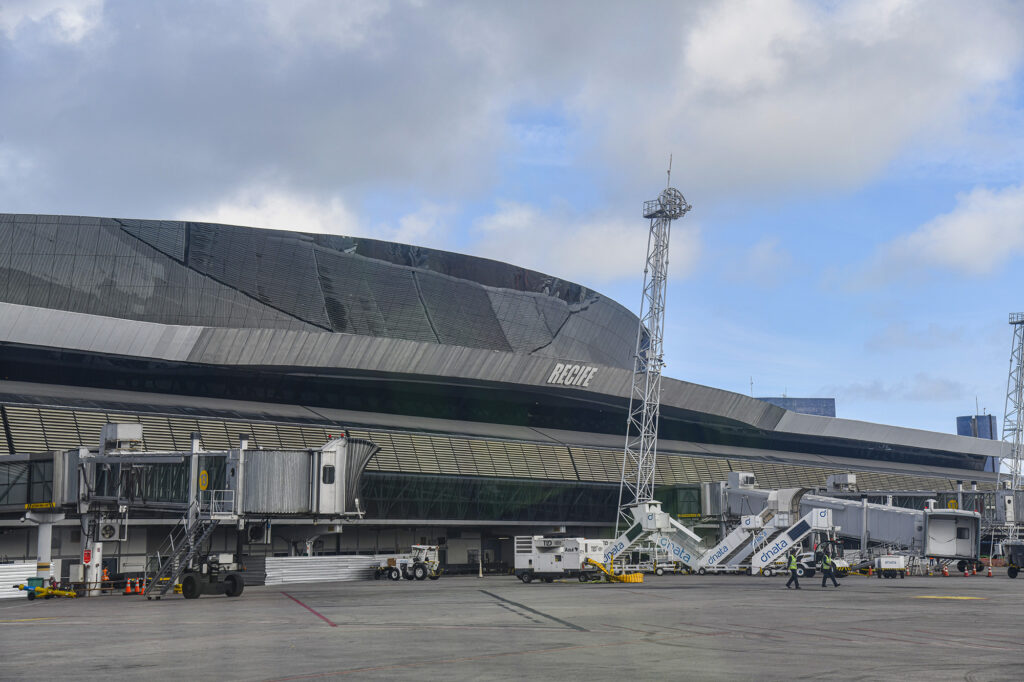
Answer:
(641, 449)
(1013, 414)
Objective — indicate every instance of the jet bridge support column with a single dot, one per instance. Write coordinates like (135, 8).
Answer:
(44, 540)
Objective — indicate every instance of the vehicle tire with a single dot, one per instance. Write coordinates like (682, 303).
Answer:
(701, 571)
(659, 571)
(979, 566)
(434, 576)
(233, 584)
(903, 574)
(31, 595)
(526, 578)
(190, 587)
(376, 574)
(767, 572)
(395, 574)
(419, 572)
(746, 571)
(961, 566)
(582, 577)
(1012, 571)
(800, 572)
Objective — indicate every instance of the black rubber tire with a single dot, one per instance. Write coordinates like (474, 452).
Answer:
(582, 577)
(527, 578)
(434, 576)
(1012, 571)
(376, 574)
(233, 584)
(767, 572)
(701, 571)
(31, 595)
(190, 587)
(394, 574)
(979, 567)
(801, 573)
(903, 575)
(549, 580)
(659, 571)
(420, 572)
(961, 566)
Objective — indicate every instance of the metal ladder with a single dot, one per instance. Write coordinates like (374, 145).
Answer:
(183, 543)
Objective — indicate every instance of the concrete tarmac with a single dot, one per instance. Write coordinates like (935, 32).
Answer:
(496, 628)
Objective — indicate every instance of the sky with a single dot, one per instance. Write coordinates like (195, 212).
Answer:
(855, 168)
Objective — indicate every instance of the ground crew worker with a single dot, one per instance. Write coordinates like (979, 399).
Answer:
(792, 571)
(828, 569)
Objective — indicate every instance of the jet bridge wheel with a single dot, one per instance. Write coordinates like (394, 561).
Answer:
(961, 566)
(1012, 571)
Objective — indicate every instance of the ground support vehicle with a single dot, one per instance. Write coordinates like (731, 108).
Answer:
(215, 574)
(420, 564)
(1014, 553)
(542, 558)
(891, 566)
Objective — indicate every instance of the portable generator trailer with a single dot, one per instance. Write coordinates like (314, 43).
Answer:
(420, 564)
(542, 558)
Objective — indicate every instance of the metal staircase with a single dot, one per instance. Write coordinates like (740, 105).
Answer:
(182, 545)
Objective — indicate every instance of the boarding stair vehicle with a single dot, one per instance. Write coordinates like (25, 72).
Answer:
(547, 558)
(420, 564)
(185, 556)
(778, 544)
(653, 526)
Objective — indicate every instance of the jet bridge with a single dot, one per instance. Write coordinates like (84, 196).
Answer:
(938, 533)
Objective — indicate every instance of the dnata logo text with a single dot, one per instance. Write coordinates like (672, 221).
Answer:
(614, 550)
(675, 550)
(572, 375)
(717, 555)
(774, 550)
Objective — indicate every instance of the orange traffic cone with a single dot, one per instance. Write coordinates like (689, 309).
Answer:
(974, 569)
(967, 573)
(990, 570)
(869, 571)
(127, 587)
(945, 571)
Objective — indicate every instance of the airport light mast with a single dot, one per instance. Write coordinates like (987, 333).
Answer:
(641, 449)
(1013, 414)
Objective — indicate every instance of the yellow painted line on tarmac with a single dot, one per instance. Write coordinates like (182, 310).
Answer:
(25, 620)
(937, 597)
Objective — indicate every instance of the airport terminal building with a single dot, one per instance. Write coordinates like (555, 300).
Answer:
(498, 395)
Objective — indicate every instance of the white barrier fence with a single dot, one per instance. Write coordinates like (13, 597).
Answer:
(15, 574)
(304, 569)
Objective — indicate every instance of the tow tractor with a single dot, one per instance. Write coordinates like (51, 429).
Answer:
(420, 564)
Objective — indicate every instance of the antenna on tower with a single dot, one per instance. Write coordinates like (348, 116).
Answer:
(668, 183)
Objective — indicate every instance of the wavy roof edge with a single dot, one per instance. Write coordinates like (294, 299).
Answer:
(47, 328)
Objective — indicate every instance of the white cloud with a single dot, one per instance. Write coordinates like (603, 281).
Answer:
(981, 234)
(66, 21)
(343, 25)
(265, 206)
(796, 96)
(919, 388)
(584, 249)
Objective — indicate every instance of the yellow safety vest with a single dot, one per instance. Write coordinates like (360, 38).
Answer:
(792, 563)
(826, 562)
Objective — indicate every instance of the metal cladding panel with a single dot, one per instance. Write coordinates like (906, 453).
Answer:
(520, 318)
(166, 236)
(358, 453)
(94, 266)
(374, 298)
(15, 574)
(275, 268)
(460, 312)
(277, 482)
